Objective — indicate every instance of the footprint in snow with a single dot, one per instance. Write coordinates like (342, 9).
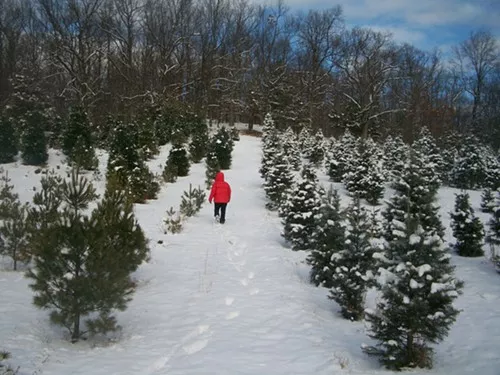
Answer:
(251, 275)
(195, 346)
(229, 301)
(254, 291)
(244, 282)
(232, 315)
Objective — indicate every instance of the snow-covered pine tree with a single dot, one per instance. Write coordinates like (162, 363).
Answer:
(395, 153)
(493, 233)
(126, 170)
(291, 148)
(327, 239)
(269, 148)
(487, 200)
(82, 265)
(340, 156)
(306, 139)
(416, 308)
(178, 160)
(467, 228)
(198, 144)
(300, 210)
(33, 140)
(8, 140)
(414, 194)
(316, 149)
(366, 180)
(278, 181)
(222, 145)
(353, 265)
(492, 163)
(426, 145)
(268, 127)
(469, 170)
(77, 141)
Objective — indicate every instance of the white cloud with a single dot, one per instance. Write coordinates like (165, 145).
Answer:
(401, 34)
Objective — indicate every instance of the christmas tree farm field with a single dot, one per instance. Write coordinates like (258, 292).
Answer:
(234, 298)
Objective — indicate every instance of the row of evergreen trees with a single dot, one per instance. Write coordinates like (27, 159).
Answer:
(364, 166)
(350, 250)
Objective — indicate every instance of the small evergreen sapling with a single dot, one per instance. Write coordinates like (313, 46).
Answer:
(5, 369)
(172, 221)
(291, 148)
(13, 225)
(192, 201)
(8, 140)
(222, 145)
(301, 209)
(353, 265)
(83, 264)
(327, 239)
(467, 228)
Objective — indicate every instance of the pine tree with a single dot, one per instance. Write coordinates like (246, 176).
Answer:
(8, 140)
(126, 170)
(33, 141)
(82, 265)
(469, 170)
(341, 155)
(396, 153)
(366, 179)
(198, 144)
(351, 264)
(416, 305)
(327, 239)
(306, 139)
(315, 152)
(212, 167)
(278, 182)
(467, 228)
(305, 200)
(415, 193)
(178, 158)
(426, 145)
(493, 234)
(222, 145)
(147, 141)
(487, 200)
(291, 148)
(268, 127)
(77, 140)
(13, 224)
(269, 149)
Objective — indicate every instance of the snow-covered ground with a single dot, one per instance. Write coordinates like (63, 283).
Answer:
(232, 299)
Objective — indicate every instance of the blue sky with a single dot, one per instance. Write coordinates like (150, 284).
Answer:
(424, 23)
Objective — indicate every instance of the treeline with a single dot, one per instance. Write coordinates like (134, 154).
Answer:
(231, 60)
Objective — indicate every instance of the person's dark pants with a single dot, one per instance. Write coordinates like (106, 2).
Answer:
(222, 208)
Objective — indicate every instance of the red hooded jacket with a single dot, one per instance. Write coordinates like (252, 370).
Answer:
(221, 191)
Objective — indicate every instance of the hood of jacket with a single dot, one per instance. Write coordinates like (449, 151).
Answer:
(219, 177)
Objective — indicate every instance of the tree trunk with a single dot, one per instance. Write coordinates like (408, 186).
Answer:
(76, 328)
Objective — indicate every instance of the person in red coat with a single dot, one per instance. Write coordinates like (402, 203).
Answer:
(221, 195)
